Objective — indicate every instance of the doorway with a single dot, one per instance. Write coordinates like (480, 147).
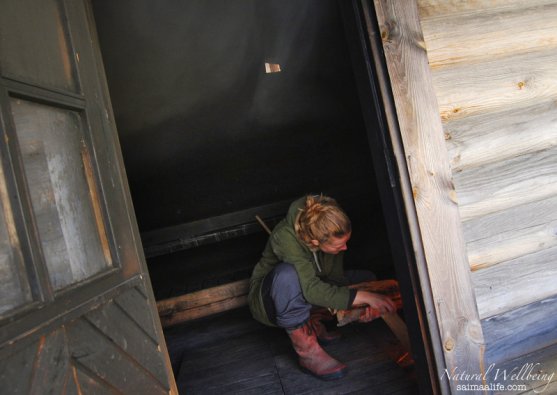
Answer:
(228, 109)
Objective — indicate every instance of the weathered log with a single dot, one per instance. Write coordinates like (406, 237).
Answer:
(203, 303)
(442, 8)
(472, 37)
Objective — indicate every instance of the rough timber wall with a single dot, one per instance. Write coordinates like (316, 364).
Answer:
(493, 64)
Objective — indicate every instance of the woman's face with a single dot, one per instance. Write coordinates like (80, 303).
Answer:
(335, 244)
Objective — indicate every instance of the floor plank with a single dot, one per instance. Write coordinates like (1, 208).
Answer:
(230, 353)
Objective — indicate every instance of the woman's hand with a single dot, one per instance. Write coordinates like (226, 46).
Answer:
(377, 305)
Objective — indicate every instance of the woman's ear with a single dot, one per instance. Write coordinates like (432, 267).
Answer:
(315, 243)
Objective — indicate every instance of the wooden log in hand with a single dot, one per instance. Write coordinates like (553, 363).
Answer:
(388, 288)
(391, 289)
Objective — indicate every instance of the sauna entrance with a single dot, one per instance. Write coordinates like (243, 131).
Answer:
(229, 110)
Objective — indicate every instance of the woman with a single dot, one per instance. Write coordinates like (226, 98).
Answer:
(302, 267)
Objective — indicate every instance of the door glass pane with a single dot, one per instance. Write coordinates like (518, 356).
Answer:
(35, 44)
(14, 287)
(63, 191)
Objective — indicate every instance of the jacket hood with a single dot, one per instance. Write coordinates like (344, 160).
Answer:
(294, 210)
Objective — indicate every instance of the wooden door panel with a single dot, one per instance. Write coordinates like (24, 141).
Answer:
(104, 351)
(16, 370)
(94, 352)
(133, 303)
(41, 367)
(116, 325)
(14, 285)
(55, 160)
(51, 365)
(84, 383)
(78, 314)
(36, 44)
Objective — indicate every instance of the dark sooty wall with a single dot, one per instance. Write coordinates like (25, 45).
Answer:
(205, 131)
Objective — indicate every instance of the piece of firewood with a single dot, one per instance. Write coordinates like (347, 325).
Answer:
(389, 288)
(401, 354)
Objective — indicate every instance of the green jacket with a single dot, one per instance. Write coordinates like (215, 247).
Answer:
(320, 282)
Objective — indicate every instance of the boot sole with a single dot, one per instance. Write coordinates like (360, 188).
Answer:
(327, 377)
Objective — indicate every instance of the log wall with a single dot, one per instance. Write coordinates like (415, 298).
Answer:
(493, 69)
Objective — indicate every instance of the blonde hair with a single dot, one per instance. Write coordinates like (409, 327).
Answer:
(320, 219)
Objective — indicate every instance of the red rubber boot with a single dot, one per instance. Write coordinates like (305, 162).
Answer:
(312, 357)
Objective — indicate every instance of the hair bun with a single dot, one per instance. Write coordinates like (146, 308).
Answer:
(313, 207)
(321, 218)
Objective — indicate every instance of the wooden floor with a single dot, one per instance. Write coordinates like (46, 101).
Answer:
(232, 354)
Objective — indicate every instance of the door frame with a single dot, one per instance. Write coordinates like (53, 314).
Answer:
(417, 191)
(377, 108)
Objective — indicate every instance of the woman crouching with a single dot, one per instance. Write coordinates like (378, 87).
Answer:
(302, 267)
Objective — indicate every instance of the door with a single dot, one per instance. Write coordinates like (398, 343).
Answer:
(77, 313)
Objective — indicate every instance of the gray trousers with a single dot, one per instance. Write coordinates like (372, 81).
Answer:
(284, 301)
